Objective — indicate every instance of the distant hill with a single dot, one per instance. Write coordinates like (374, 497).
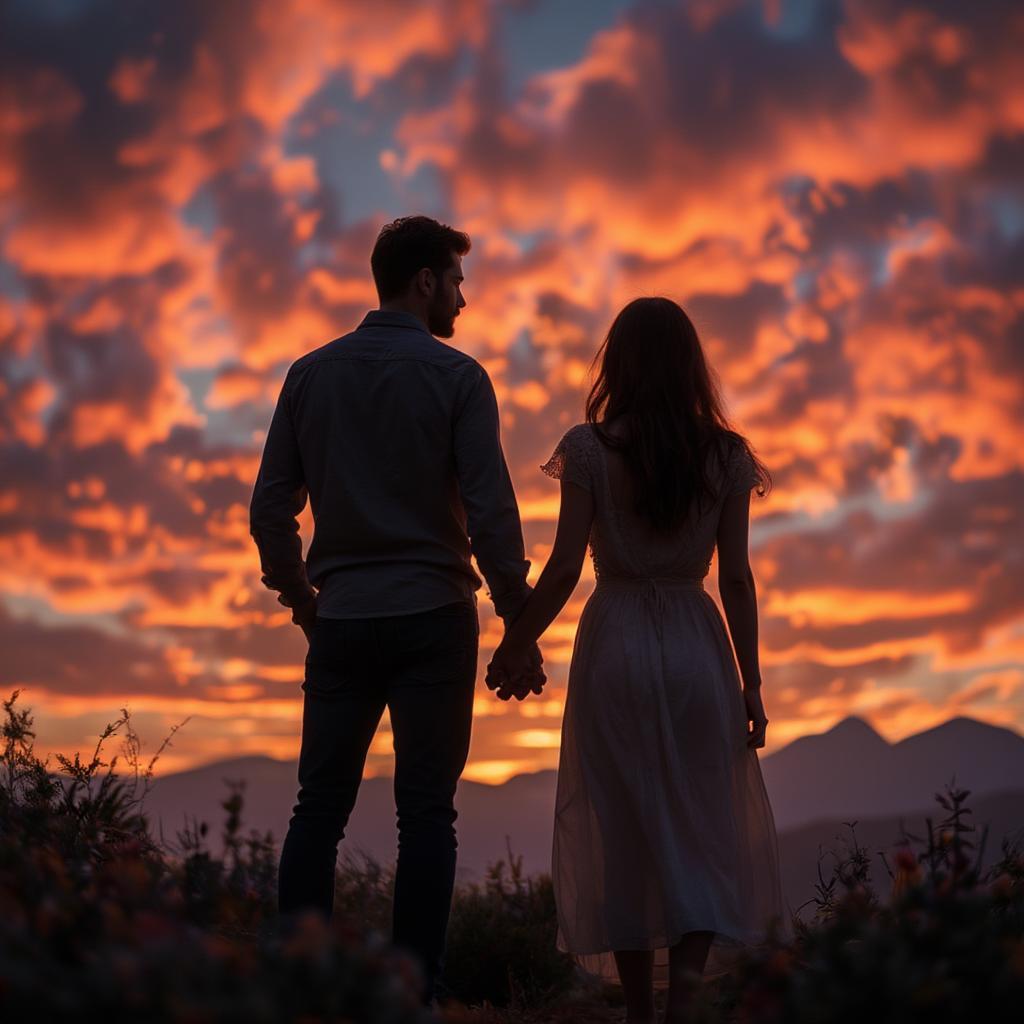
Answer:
(815, 783)
(852, 770)
(521, 808)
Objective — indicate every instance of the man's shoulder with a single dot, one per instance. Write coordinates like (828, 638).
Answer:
(315, 355)
(448, 356)
(402, 345)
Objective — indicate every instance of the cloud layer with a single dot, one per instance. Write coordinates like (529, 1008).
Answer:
(189, 196)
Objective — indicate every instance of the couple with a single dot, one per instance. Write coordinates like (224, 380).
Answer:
(664, 840)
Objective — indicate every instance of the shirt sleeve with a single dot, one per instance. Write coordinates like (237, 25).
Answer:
(742, 471)
(279, 496)
(569, 461)
(492, 515)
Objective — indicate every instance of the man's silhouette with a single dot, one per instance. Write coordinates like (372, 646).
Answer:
(394, 437)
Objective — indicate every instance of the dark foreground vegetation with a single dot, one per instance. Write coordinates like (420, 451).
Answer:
(98, 919)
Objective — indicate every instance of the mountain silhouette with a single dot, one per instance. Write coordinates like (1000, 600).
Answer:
(851, 770)
(815, 783)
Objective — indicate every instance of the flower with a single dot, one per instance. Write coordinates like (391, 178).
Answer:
(905, 859)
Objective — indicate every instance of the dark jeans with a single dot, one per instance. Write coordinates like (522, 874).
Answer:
(423, 668)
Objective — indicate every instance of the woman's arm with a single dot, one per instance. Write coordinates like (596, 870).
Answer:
(556, 582)
(736, 585)
(739, 599)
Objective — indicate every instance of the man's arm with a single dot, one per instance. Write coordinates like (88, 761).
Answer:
(278, 498)
(492, 515)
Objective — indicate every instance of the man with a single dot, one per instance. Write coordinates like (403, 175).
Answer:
(394, 437)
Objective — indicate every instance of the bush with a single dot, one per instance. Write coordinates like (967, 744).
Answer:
(948, 946)
(501, 933)
(363, 891)
(96, 920)
(501, 941)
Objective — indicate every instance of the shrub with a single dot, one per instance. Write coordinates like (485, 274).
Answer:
(501, 941)
(948, 945)
(96, 921)
(501, 932)
(363, 890)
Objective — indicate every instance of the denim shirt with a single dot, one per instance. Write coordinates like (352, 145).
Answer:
(394, 438)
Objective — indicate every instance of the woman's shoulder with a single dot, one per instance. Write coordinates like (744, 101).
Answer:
(727, 445)
(728, 440)
(722, 451)
(579, 430)
(612, 434)
(737, 462)
(579, 435)
(571, 458)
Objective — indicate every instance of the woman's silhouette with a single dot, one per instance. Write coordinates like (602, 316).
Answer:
(664, 834)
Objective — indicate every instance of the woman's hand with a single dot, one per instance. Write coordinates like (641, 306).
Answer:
(757, 721)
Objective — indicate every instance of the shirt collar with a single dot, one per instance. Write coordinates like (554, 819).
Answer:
(393, 318)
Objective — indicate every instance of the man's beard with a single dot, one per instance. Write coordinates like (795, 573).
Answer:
(441, 323)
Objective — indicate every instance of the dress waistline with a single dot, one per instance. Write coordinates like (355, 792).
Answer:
(650, 582)
(654, 588)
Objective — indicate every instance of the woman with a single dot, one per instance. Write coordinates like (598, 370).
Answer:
(664, 836)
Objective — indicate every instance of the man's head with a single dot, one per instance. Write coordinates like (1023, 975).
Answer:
(417, 267)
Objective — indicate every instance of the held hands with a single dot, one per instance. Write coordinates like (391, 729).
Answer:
(516, 673)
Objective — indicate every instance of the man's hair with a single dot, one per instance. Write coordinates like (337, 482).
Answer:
(407, 245)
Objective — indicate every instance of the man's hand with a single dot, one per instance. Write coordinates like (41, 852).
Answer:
(516, 673)
(304, 615)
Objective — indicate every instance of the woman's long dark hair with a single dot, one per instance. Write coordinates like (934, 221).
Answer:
(652, 373)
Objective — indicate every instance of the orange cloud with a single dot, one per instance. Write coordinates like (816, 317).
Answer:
(838, 208)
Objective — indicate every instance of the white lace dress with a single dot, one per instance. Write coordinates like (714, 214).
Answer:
(662, 821)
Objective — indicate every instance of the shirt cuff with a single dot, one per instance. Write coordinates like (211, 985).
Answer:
(295, 596)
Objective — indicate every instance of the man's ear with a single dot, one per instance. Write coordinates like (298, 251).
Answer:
(425, 282)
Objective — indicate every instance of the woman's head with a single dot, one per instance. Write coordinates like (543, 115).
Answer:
(653, 376)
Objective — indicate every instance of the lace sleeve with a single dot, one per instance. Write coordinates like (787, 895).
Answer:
(569, 461)
(743, 473)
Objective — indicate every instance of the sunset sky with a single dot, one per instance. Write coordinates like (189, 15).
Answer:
(189, 192)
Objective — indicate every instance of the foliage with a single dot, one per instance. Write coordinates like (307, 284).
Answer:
(501, 933)
(97, 920)
(947, 945)
(501, 941)
(362, 891)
